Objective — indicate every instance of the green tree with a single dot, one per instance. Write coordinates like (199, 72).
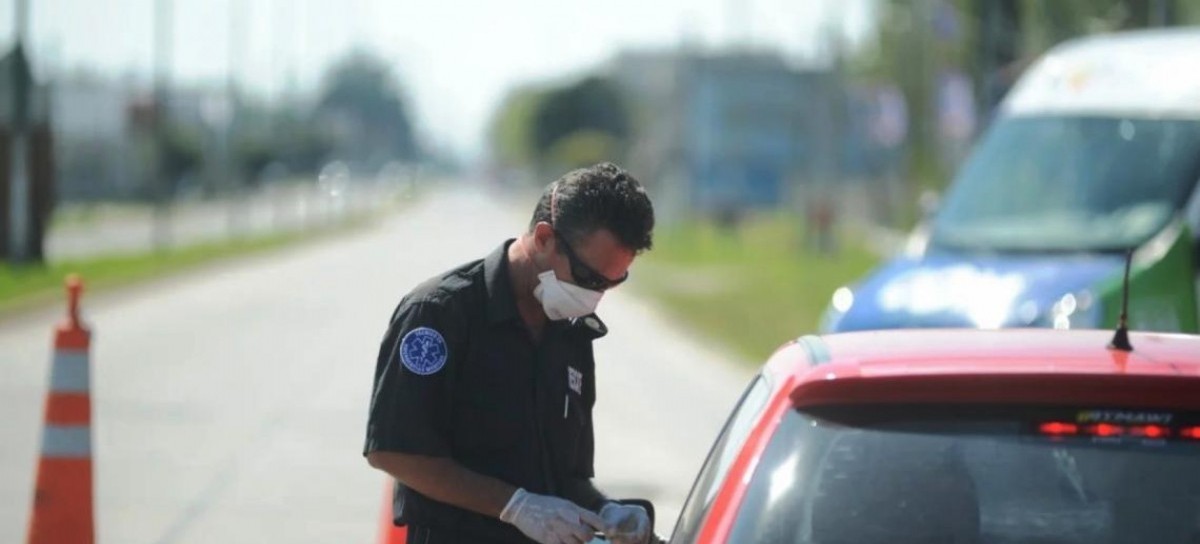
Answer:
(511, 131)
(582, 148)
(364, 98)
(1006, 35)
(300, 141)
(593, 105)
(251, 154)
(908, 52)
(994, 42)
(182, 153)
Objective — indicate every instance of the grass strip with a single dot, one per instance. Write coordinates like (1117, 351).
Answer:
(29, 287)
(752, 288)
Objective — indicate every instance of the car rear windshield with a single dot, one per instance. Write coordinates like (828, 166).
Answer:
(900, 475)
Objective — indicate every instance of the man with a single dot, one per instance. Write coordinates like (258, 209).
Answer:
(484, 386)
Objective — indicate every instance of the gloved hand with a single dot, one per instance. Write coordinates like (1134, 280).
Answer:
(550, 520)
(627, 524)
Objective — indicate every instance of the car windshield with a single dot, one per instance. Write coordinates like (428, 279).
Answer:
(1070, 184)
(983, 475)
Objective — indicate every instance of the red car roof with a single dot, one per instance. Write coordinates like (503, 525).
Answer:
(1019, 366)
(962, 366)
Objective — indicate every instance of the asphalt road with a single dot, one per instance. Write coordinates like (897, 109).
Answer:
(229, 404)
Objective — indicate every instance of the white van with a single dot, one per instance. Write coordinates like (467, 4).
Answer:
(1094, 153)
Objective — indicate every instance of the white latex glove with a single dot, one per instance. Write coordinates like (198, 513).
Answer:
(550, 520)
(627, 524)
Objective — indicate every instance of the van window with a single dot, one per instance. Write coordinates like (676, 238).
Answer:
(1070, 184)
(1193, 214)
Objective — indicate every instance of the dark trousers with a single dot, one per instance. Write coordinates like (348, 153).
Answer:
(418, 534)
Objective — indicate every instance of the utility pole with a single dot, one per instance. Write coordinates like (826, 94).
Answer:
(1161, 13)
(20, 208)
(229, 165)
(275, 102)
(162, 185)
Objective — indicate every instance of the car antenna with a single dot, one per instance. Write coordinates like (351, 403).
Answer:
(1120, 340)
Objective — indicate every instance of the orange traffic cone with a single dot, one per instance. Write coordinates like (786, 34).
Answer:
(62, 501)
(389, 533)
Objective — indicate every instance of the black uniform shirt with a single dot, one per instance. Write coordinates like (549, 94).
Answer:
(459, 376)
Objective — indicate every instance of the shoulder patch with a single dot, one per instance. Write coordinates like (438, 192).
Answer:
(423, 351)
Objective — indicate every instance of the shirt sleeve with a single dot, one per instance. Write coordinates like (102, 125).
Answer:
(582, 491)
(410, 402)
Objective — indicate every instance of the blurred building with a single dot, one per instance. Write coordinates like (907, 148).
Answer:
(717, 131)
(92, 121)
(105, 134)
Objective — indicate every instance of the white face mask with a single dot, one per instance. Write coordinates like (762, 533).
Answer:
(563, 300)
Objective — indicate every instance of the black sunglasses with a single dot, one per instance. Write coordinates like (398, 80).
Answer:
(584, 275)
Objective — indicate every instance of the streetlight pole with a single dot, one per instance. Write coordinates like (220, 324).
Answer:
(1160, 13)
(162, 59)
(20, 209)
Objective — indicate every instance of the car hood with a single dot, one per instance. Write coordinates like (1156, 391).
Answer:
(941, 290)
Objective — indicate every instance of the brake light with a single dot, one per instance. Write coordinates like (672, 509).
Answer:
(1150, 431)
(1058, 428)
(1112, 430)
(1104, 430)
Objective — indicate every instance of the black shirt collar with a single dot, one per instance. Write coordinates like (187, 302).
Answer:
(502, 305)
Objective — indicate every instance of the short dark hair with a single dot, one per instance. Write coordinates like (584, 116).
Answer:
(603, 196)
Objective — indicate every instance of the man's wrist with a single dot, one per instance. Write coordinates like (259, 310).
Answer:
(513, 506)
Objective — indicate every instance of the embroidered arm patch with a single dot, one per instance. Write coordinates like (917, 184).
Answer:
(423, 351)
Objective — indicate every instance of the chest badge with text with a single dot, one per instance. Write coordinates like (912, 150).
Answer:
(575, 380)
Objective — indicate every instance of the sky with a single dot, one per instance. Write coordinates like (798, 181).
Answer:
(455, 58)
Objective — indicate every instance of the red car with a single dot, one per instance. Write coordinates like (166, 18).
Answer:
(959, 436)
